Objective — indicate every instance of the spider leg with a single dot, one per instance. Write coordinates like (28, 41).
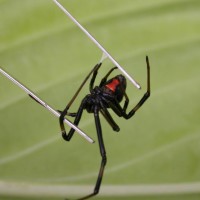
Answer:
(95, 71)
(110, 120)
(108, 117)
(65, 111)
(121, 112)
(68, 113)
(104, 79)
(126, 99)
(71, 114)
(126, 102)
(102, 152)
(77, 115)
(146, 95)
(81, 86)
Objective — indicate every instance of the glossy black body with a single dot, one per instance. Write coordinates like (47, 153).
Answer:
(107, 95)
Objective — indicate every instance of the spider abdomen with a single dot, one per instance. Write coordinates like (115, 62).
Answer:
(113, 84)
(116, 87)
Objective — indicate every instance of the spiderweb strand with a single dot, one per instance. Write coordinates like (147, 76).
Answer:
(38, 100)
(104, 56)
(98, 44)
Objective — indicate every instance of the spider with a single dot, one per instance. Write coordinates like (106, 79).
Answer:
(107, 95)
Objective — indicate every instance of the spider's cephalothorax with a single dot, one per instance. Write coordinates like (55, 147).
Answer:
(107, 95)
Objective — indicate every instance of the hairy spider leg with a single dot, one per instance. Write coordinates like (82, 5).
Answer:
(121, 112)
(64, 112)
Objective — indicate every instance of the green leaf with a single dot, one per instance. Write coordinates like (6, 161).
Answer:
(45, 51)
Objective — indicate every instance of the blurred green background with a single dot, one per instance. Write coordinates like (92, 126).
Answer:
(43, 49)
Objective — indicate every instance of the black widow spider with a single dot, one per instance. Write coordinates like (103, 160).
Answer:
(108, 94)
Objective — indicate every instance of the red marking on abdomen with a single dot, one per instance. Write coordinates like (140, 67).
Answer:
(112, 85)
